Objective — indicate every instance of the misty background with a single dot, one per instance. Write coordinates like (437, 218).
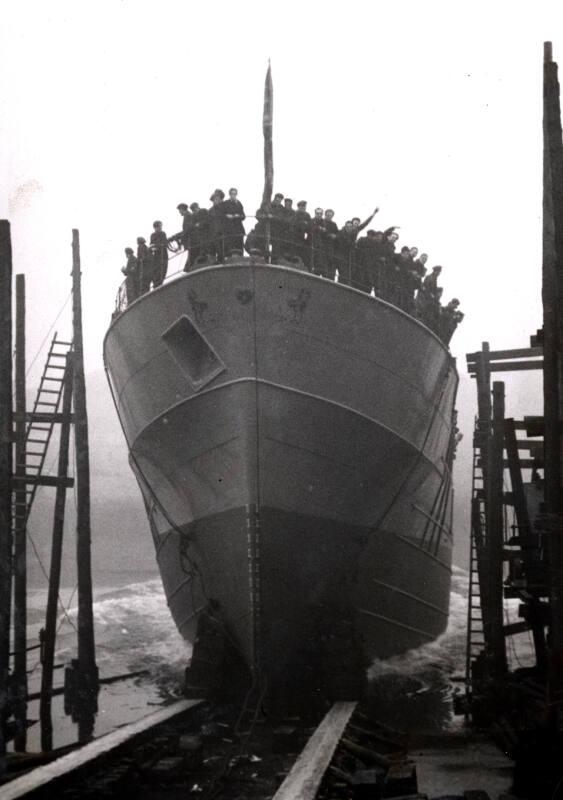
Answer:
(111, 113)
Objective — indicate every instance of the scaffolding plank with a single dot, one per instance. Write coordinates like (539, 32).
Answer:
(498, 355)
(304, 780)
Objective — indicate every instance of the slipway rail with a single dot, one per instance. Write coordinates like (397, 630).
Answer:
(41, 777)
(305, 778)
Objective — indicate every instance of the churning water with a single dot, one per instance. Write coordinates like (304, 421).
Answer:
(135, 631)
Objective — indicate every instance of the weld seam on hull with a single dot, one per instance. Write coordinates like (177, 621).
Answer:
(426, 552)
(290, 390)
(410, 596)
(189, 618)
(178, 588)
(397, 624)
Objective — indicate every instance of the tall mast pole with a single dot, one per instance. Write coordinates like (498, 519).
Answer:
(20, 530)
(552, 288)
(87, 677)
(5, 475)
(267, 129)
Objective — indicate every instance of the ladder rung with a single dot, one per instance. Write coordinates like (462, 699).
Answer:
(51, 378)
(39, 453)
(58, 341)
(54, 366)
(49, 391)
(36, 427)
(57, 355)
(37, 441)
(44, 403)
(29, 466)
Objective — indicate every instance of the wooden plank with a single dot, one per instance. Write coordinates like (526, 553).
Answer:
(304, 780)
(44, 480)
(516, 627)
(508, 366)
(43, 416)
(499, 355)
(40, 777)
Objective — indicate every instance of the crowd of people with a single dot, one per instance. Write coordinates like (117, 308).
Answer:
(284, 235)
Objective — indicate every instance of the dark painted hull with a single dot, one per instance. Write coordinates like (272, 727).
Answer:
(292, 440)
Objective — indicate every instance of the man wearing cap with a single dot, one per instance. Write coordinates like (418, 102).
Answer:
(275, 216)
(184, 237)
(199, 234)
(450, 317)
(288, 244)
(217, 225)
(159, 248)
(131, 272)
(316, 244)
(144, 259)
(302, 233)
(330, 239)
(234, 215)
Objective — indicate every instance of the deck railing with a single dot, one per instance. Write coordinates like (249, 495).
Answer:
(376, 276)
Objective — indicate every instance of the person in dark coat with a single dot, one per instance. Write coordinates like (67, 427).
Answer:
(199, 234)
(330, 239)
(288, 219)
(316, 244)
(131, 272)
(345, 244)
(275, 216)
(144, 259)
(184, 237)
(233, 214)
(217, 225)
(303, 233)
(450, 317)
(159, 247)
(365, 275)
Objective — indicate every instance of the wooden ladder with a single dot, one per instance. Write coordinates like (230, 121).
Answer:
(41, 423)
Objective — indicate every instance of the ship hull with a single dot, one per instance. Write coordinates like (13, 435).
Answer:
(292, 439)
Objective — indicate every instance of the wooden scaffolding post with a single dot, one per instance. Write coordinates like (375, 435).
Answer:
(87, 671)
(49, 634)
(5, 475)
(494, 491)
(20, 531)
(528, 542)
(552, 296)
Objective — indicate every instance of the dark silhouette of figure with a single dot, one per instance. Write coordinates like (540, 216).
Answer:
(159, 248)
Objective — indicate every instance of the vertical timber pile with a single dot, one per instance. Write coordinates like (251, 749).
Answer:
(87, 676)
(5, 475)
(552, 296)
(50, 632)
(20, 530)
(495, 529)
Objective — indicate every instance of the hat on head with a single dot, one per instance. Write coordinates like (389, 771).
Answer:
(278, 195)
(156, 222)
(233, 189)
(301, 203)
(288, 200)
(217, 193)
(194, 205)
(182, 206)
(141, 240)
(436, 268)
(129, 250)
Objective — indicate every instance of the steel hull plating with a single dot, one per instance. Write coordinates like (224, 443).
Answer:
(292, 439)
